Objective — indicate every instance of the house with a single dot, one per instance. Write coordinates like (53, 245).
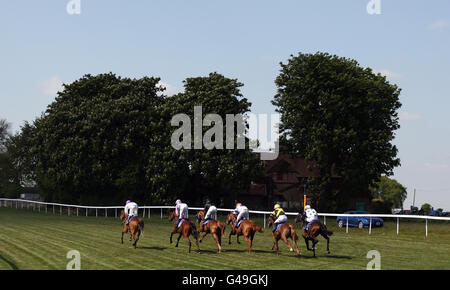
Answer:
(285, 183)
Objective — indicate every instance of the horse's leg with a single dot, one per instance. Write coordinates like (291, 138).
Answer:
(315, 241)
(178, 240)
(229, 237)
(249, 244)
(275, 243)
(286, 240)
(186, 237)
(204, 235)
(307, 244)
(125, 230)
(216, 237)
(328, 241)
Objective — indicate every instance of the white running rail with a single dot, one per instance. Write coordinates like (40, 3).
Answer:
(23, 203)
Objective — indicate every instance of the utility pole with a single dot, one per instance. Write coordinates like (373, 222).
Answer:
(414, 198)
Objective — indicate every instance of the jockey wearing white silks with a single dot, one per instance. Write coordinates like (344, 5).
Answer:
(311, 214)
(211, 214)
(131, 209)
(242, 213)
(181, 210)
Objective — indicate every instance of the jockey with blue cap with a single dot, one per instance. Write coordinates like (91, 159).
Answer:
(131, 209)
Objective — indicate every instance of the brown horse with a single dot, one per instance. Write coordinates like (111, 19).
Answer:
(247, 229)
(135, 227)
(216, 228)
(315, 229)
(186, 228)
(284, 232)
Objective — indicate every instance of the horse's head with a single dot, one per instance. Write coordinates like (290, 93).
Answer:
(299, 217)
(172, 215)
(200, 216)
(270, 221)
(123, 215)
(230, 217)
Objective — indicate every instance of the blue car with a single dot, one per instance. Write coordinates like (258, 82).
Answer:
(356, 221)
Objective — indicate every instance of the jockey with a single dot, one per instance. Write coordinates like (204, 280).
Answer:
(181, 212)
(242, 213)
(310, 215)
(279, 215)
(131, 209)
(210, 212)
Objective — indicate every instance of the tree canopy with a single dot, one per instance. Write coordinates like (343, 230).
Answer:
(341, 116)
(106, 139)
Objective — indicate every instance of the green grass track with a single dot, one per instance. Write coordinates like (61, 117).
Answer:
(33, 240)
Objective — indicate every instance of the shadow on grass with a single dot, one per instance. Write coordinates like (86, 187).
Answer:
(12, 265)
(152, 248)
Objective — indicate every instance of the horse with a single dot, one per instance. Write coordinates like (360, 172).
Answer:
(216, 228)
(247, 228)
(315, 229)
(135, 227)
(284, 232)
(185, 229)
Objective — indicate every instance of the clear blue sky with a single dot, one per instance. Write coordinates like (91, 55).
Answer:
(42, 46)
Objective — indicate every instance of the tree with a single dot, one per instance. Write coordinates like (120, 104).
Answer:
(199, 174)
(92, 143)
(426, 208)
(389, 190)
(9, 186)
(4, 134)
(343, 118)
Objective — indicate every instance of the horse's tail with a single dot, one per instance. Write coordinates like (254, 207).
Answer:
(325, 230)
(194, 231)
(293, 233)
(141, 227)
(258, 229)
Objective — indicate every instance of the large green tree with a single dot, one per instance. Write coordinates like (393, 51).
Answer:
(92, 143)
(341, 116)
(198, 174)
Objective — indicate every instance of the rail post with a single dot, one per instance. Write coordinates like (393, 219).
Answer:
(398, 224)
(370, 225)
(346, 227)
(426, 227)
(264, 220)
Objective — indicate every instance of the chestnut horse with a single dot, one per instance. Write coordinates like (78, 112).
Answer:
(216, 228)
(185, 229)
(135, 227)
(284, 232)
(315, 229)
(247, 228)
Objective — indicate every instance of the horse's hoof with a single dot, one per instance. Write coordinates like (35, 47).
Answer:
(291, 249)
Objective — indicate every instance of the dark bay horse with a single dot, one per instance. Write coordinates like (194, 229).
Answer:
(284, 232)
(315, 229)
(186, 229)
(135, 227)
(247, 229)
(215, 227)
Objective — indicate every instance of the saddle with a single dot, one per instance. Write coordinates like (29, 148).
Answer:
(278, 227)
(239, 223)
(181, 221)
